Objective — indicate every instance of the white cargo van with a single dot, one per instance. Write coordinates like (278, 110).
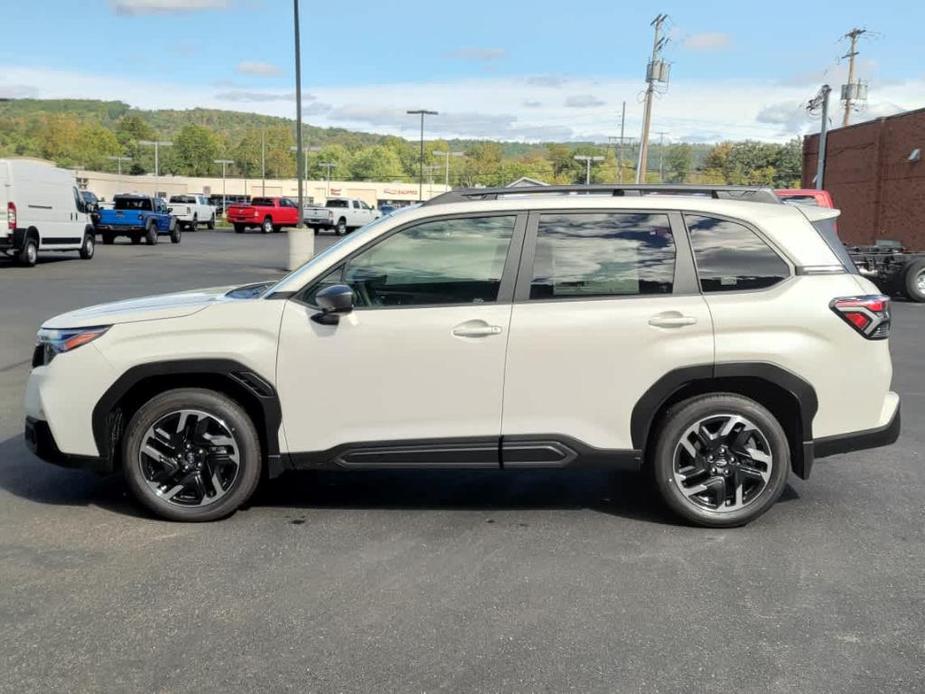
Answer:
(44, 211)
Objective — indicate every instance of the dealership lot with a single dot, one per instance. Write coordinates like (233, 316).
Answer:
(459, 581)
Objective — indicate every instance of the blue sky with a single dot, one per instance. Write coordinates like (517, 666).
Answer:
(537, 70)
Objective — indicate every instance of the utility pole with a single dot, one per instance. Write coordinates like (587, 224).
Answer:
(263, 159)
(224, 163)
(656, 72)
(821, 100)
(422, 112)
(120, 160)
(298, 111)
(448, 154)
(157, 144)
(588, 161)
(328, 165)
(853, 91)
(661, 154)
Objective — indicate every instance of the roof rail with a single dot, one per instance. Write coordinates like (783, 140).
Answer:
(746, 193)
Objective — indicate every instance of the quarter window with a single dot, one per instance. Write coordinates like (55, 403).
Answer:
(731, 257)
(451, 261)
(594, 255)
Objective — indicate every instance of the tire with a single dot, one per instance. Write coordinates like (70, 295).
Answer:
(316, 230)
(210, 225)
(239, 228)
(194, 225)
(88, 247)
(151, 234)
(739, 476)
(267, 225)
(341, 228)
(108, 239)
(175, 233)
(29, 253)
(914, 281)
(135, 239)
(223, 475)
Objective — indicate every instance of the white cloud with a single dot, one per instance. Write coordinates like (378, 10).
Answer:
(549, 81)
(477, 55)
(584, 101)
(490, 106)
(18, 91)
(258, 69)
(138, 7)
(709, 41)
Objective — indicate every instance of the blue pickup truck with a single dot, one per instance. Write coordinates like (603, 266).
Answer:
(139, 217)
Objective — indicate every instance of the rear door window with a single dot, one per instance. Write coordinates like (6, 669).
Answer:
(731, 257)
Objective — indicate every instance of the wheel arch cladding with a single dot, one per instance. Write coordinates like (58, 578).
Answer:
(140, 383)
(788, 397)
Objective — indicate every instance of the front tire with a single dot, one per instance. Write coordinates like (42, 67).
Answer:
(88, 247)
(720, 460)
(175, 233)
(211, 224)
(191, 455)
(914, 281)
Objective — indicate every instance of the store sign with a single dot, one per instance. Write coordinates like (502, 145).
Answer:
(401, 191)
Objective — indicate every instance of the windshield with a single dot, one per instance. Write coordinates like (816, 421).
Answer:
(133, 203)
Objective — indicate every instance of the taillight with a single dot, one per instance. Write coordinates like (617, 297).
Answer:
(869, 315)
(11, 216)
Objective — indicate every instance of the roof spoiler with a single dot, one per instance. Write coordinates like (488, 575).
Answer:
(818, 214)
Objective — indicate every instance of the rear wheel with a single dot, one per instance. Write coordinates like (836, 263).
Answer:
(29, 253)
(239, 228)
(108, 239)
(88, 247)
(341, 227)
(151, 234)
(135, 239)
(191, 455)
(720, 460)
(914, 280)
(267, 225)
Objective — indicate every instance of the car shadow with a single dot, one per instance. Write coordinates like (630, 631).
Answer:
(622, 494)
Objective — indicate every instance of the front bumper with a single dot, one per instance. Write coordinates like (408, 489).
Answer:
(41, 442)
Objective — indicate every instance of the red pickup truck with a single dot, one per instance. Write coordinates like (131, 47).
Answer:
(266, 214)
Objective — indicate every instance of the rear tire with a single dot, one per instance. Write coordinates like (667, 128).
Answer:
(88, 247)
(214, 479)
(714, 479)
(267, 225)
(108, 239)
(239, 228)
(135, 239)
(341, 227)
(151, 234)
(914, 281)
(29, 253)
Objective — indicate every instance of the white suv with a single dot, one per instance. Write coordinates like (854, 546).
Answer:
(703, 335)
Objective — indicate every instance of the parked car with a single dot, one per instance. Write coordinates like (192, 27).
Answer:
(343, 215)
(191, 210)
(44, 211)
(266, 214)
(703, 339)
(138, 217)
(92, 205)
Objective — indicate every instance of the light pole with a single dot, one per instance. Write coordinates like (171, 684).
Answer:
(300, 165)
(588, 160)
(120, 160)
(422, 112)
(224, 163)
(157, 144)
(448, 154)
(327, 165)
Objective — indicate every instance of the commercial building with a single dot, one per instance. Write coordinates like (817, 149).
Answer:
(105, 185)
(876, 174)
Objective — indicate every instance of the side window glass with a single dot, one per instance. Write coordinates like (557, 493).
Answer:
(450, 261)
(594, 255)
(731, 257)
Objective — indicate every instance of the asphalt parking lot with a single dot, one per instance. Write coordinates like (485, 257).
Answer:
(414, 581)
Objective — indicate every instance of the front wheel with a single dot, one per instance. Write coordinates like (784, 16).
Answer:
(88, 247)
(914, 281)
(720, 460)
(175, 233)
(191, 455)
(211, 224)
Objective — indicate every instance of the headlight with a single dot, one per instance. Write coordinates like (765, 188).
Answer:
(50, 342)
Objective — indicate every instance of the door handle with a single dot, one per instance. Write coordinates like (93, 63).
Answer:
(671, 319)
(476, 328)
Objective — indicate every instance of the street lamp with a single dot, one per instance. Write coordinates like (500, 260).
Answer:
(120, 160)
(224, 163)
(448, 154)
(157, 144)
(422, 112)
(327, 165)
(588, 160)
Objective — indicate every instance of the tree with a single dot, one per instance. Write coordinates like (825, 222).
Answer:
(376, 163)
(194, 151)
(679, 159)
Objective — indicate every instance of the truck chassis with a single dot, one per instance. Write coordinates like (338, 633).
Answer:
(892, 268)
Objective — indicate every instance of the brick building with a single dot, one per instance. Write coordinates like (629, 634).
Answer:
(876, 174)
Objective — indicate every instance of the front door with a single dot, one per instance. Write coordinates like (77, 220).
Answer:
(606, 304)
(414, 375)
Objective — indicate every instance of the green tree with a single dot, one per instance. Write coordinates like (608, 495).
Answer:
(376, 163)
(679, 160)
(194, 151)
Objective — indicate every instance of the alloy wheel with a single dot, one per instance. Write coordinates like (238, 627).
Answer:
(920, 281)
(722, 463)
(189, 458)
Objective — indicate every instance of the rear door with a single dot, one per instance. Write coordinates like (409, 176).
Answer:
(606, 304)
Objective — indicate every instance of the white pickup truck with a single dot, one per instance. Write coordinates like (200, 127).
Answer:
(340, 214)
(191, 210)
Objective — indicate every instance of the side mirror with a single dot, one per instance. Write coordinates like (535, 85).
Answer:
(334, 301)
